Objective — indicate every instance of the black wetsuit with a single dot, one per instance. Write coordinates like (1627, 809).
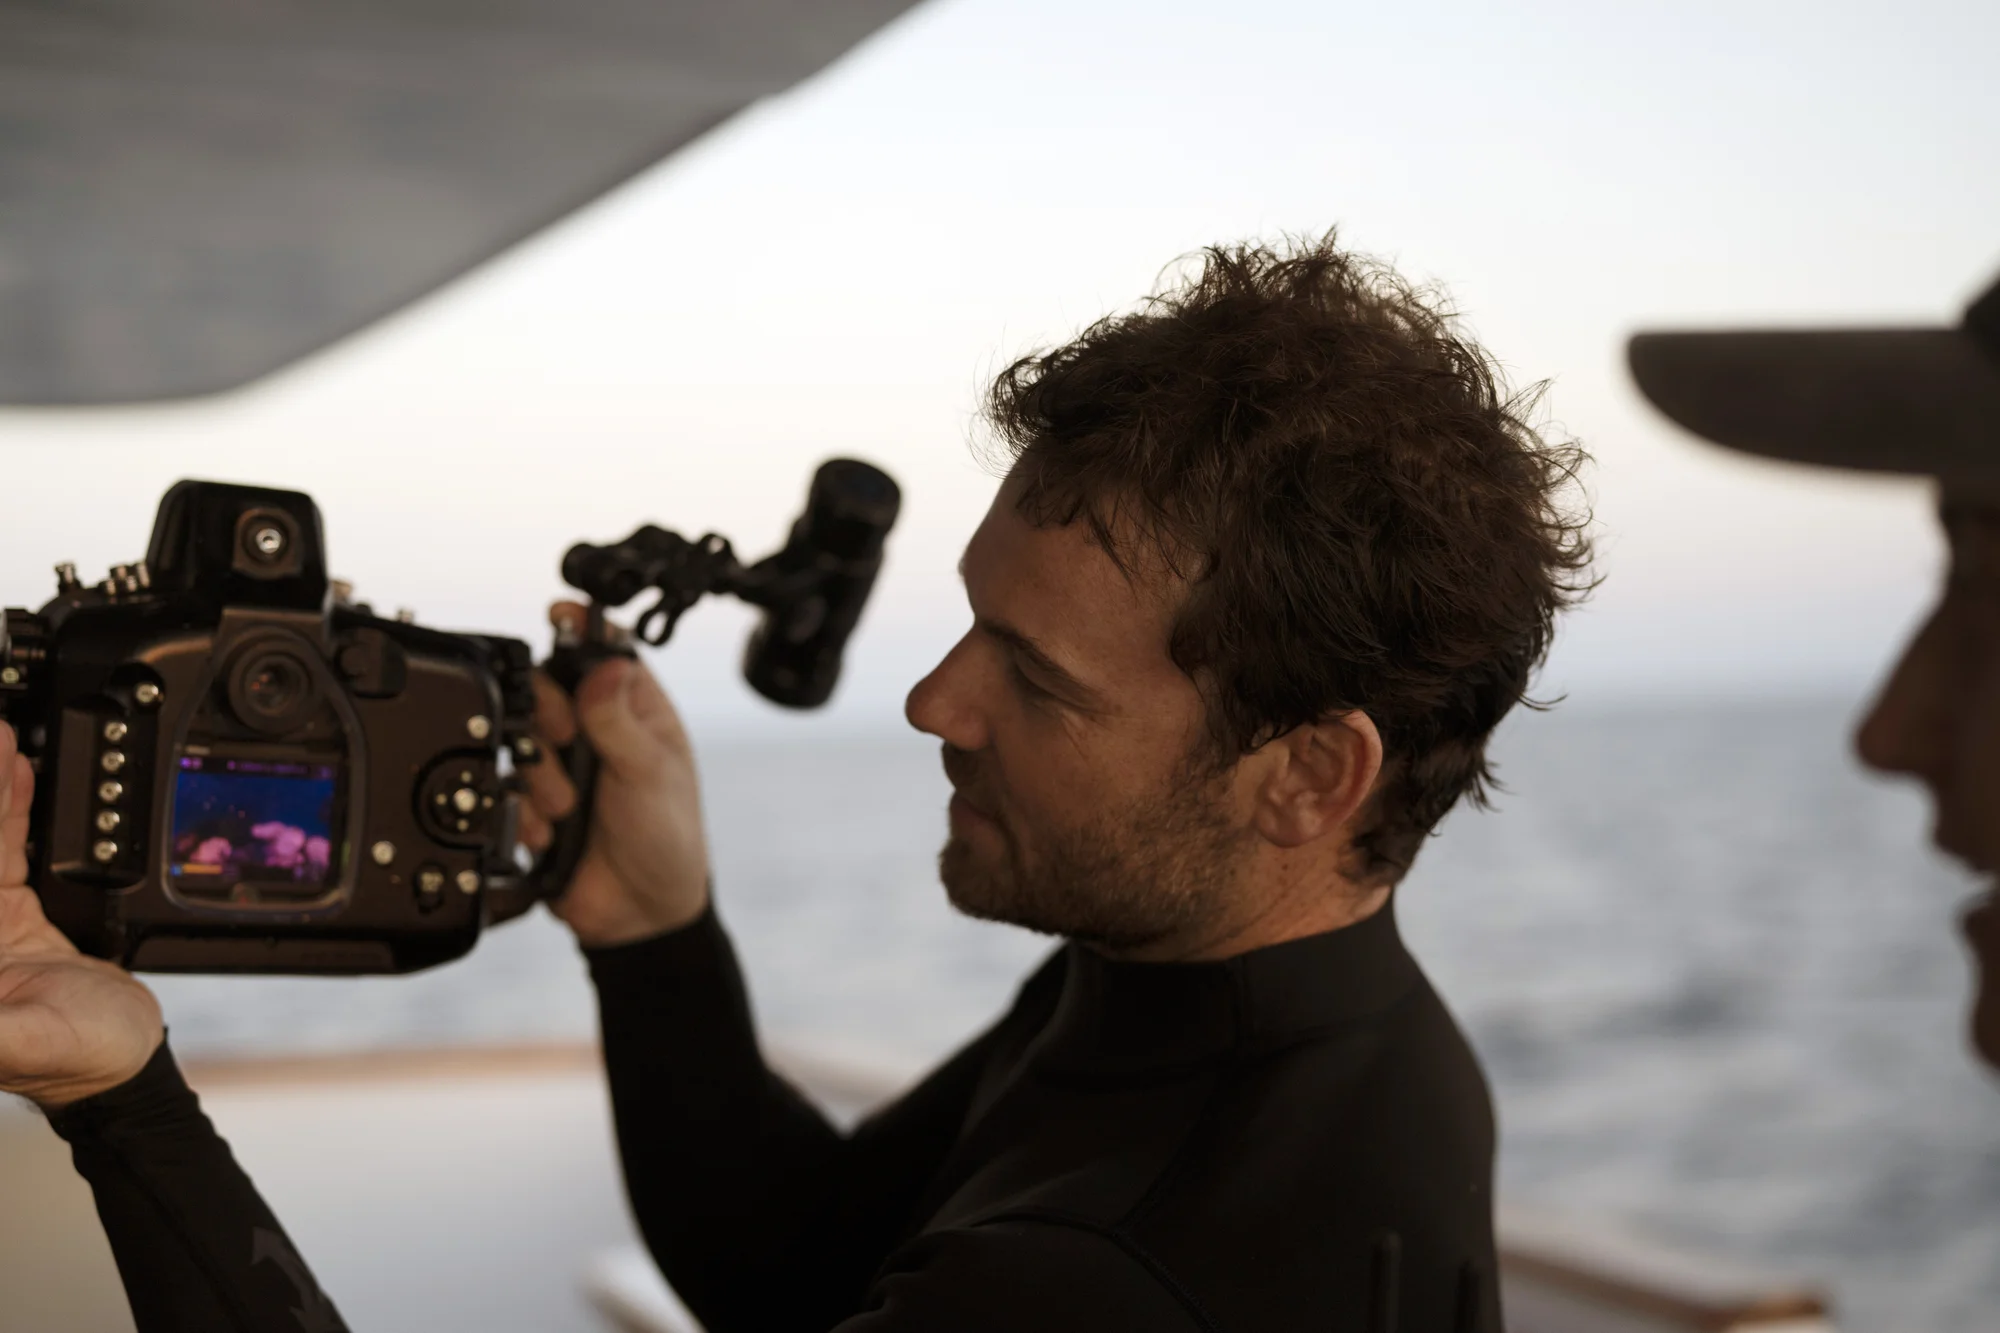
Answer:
(196, 1246)
(1298, 1138)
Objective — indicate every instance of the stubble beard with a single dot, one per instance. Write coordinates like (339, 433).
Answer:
(1160, 867)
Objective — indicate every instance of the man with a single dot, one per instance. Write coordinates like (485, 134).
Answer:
(1273, 556)
(1923, 401)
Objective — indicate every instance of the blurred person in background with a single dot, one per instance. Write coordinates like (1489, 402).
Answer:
(1915, 400)
(1273, 555)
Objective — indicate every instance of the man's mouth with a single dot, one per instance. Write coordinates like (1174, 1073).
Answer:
(1947, 837)
(964, 809)
(964, 813)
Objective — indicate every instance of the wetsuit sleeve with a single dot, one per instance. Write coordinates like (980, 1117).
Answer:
(759, 1212)
(1008, 1276)
(195, 1244)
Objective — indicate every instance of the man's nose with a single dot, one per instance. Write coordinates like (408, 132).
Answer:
(1881, 743)
(1905, 729)
(944, 705)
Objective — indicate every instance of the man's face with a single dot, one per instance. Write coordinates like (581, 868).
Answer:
(1938, 719)
(1084, 803)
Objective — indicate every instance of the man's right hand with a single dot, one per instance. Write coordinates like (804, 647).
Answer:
(70, 1026)
(645, 867)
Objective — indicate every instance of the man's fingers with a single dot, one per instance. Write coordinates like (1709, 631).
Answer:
(551, 795)
(621, 708)
(604, 716)
(555, 719)
(17, 795)
(21, 791)
(536, 833)
(654, 710)
(8, 775)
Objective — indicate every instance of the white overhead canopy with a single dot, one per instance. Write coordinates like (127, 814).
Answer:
(194, 193)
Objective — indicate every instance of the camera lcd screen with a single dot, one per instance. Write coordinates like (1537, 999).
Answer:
(254, 822)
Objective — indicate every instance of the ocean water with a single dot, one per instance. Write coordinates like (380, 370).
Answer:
(1711, 970)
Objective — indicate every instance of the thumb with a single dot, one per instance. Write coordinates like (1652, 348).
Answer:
(605, 707)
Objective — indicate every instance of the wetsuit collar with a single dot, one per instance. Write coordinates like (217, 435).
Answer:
(1122, 1017)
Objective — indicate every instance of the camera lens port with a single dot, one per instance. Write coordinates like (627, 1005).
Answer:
(272, 690)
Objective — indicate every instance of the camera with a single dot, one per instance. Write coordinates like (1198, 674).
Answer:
(241, 769)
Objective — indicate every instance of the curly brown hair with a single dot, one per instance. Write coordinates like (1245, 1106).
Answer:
(1365, 512)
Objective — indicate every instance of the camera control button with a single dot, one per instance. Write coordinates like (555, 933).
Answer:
(105, 850)
(468, 881)
(430, 882)
(112, 761)
(108, 821)
(147, 693)
(458, 799)
(110, 792)
(384, 852)
(115, 731)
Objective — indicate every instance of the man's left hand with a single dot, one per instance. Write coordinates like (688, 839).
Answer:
(70, 1026)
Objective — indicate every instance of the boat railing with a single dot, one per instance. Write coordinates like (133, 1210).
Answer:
(463, 1131)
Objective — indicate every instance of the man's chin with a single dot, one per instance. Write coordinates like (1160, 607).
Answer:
(973, 886)
(986, 891)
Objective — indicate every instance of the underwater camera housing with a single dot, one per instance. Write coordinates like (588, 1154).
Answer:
(239, 769)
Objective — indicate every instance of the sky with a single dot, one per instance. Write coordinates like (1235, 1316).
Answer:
(839, 271)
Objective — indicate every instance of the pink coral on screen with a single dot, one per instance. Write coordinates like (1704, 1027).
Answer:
(284, 844)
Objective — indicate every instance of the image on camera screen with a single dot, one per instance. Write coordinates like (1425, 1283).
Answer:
(253, 822)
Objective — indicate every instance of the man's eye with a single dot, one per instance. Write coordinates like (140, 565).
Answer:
(1027, 685)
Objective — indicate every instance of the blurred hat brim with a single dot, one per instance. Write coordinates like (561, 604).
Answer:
(1883, 400)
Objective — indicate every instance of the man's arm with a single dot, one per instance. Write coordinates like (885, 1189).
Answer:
(82, 1038)
(759, 1212)
(196, 1245)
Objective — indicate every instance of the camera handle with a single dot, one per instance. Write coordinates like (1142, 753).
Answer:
(576, 654)
(681, 573)
(811, 591)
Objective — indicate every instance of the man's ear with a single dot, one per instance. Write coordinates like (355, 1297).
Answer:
(1324, 774)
